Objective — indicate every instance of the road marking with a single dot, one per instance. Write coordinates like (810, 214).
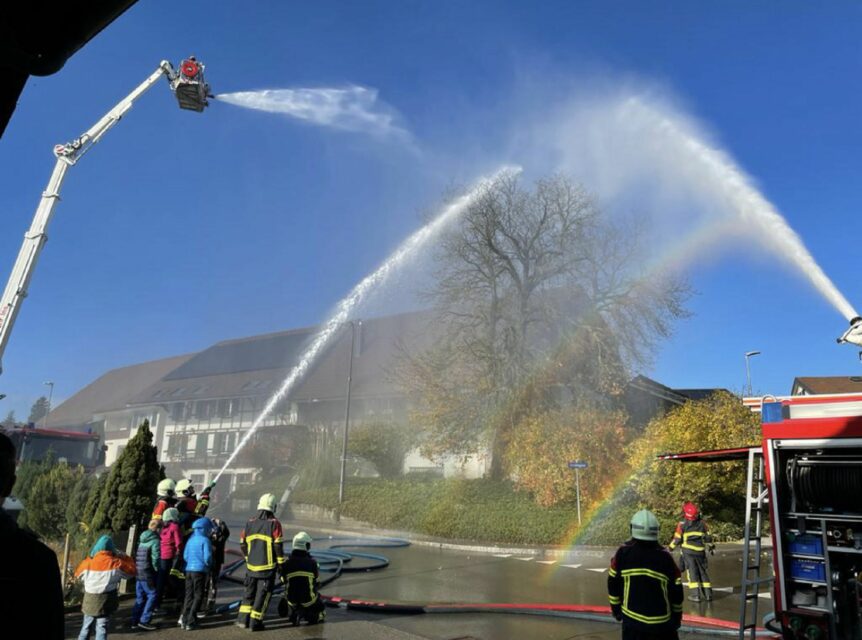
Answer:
(765, 594)
(597, 570)
(523, 559)
(572, 566)
(727, 589)
(502, 555)
(546, 561)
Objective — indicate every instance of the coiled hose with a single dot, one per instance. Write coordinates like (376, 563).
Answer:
(825, 484)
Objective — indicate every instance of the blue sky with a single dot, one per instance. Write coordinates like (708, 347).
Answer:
(181, 229)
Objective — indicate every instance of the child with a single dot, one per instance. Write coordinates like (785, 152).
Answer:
(171, 542)
(147, 562)
(198, 558)
(102, 571)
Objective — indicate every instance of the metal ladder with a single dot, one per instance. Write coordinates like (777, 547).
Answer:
(756, 501)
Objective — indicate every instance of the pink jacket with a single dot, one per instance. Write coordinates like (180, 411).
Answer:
(171, 541)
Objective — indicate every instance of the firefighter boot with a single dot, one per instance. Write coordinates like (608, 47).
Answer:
(695, 596)
(707, 594)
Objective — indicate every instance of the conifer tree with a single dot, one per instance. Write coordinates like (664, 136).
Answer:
(127, 497)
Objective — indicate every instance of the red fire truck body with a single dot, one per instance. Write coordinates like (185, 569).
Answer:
(812, 450)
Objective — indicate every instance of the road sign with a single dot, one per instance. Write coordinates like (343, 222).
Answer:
(578, 464)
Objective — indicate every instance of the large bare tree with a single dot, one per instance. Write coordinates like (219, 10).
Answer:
(539, 297)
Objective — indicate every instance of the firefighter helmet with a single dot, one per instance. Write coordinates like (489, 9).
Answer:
(166, 487)
(302, 541)
(267, 502)
(644, 525)
(689, 510)
(185, 487)
(171, 514)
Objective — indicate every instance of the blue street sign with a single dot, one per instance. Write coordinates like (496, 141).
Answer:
(578, 464)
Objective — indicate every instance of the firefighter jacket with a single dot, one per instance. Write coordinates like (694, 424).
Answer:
(161, 505)
(219, 536)
(301, 574)
(692, 536)
(203, 502)
(261, 544)
(645, 588)
(187, 506)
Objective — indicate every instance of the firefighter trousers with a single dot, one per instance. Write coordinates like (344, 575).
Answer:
(256, 600)
(631, 633)
(695, 567)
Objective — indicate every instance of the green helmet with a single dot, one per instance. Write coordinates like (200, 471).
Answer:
(171, 515)
(165, 487)
(267, 502)
(302, 541)
(645, 526)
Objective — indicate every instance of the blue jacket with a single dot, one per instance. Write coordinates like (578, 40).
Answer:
(147, 557)
(198, 549)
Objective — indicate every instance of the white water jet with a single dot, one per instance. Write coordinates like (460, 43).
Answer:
(351, 108)
(638, 147)
(749, 204)
(359, 293)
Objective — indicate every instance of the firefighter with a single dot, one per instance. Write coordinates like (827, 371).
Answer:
(261, 544)
(693, 537)
(189, 505)
(166, 498)
(301, 575)
(644, 584)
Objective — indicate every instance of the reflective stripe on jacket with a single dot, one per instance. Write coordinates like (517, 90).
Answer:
(692, 536)
(301, 574)
(645, 587)
(261, 543)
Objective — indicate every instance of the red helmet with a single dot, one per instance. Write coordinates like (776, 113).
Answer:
(690, 511)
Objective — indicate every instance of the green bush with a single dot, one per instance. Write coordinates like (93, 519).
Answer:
(486, 511)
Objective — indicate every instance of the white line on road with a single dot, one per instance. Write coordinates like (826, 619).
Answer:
(597, 570)
(727, 589)
(502, 555)
(546, 561)
(572, 566)
(523, 559)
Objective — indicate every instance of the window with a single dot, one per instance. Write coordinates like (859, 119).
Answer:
(243, 479)
(197, 478)
(228, 408)
(178, 411)
(176, 445)
(178, 392)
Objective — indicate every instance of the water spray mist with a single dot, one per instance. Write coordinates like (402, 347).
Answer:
(360, 292)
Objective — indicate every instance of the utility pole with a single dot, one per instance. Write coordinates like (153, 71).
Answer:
(346, 415)
(50, 386)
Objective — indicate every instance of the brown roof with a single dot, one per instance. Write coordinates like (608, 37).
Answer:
(112, 390)
(817, 385)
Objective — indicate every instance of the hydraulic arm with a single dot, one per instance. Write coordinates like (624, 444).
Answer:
(191, 91)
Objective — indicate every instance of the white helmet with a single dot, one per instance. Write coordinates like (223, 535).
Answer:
(302, 541)
(267, 502)
(166, 487)
(184, 486)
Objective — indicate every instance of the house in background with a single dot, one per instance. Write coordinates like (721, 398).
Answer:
(201, 405)
(818, 385)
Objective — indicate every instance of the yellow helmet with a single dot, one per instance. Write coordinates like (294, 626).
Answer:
(166, 487)
(302, 541)
(267, 502)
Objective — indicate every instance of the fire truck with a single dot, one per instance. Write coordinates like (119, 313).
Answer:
(806, 476)
(72, 447)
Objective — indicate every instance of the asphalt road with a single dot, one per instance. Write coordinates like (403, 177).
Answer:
(420, 574)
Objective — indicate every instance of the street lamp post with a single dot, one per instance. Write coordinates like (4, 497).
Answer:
(748, 355)
(346, 415)
(50, 386)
